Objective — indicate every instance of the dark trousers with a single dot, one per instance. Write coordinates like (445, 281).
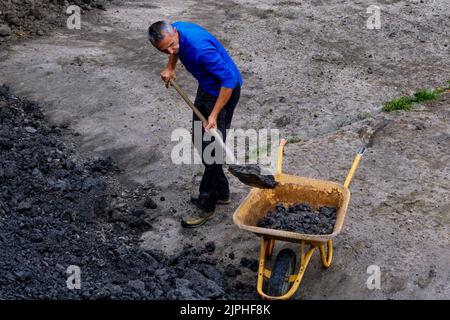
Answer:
(214, 182)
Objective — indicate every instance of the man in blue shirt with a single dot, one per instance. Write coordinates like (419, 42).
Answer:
(219, 87)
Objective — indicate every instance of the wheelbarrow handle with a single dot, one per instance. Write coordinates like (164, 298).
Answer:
(280, 156)
(355, 164)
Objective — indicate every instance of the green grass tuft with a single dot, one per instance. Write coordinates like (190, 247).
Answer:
(293, 139)
(406, 103)
(425, 95)
(403, 103)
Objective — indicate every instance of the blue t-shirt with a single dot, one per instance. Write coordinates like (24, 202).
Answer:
(208, 61)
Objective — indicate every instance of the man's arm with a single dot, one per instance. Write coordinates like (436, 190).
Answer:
(222, 100)
(173, 59)
(214, 63)
(169, 72)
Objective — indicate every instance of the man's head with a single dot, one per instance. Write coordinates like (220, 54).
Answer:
(164, 37)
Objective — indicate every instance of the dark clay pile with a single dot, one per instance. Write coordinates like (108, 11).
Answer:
(59, 209)
(300, 218)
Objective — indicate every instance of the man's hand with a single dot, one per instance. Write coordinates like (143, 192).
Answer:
(167, 74)
(212, 122)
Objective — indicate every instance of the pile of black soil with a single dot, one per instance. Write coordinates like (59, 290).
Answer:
(301, 219)
(58, 209)
(19, 18)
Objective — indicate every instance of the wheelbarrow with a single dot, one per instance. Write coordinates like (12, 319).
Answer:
(281, 281)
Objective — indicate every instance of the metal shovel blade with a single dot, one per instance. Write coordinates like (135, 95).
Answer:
(251, 175)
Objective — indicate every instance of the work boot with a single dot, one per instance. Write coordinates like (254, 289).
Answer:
(221, 199)
(196, 218)
(224, 199)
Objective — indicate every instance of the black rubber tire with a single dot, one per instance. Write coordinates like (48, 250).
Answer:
(283, 268)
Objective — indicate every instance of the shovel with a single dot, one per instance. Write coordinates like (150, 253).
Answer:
(251, 174)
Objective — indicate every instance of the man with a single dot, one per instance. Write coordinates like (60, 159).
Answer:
(219, 87)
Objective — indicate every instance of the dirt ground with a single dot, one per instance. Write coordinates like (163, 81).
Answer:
(311, 69)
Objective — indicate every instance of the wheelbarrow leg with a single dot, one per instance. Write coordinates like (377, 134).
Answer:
(326, 258)
(270, 246)
(262, 265)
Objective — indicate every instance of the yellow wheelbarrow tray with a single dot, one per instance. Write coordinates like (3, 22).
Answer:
(289, 191)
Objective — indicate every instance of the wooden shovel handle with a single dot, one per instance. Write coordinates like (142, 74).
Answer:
(187, 100)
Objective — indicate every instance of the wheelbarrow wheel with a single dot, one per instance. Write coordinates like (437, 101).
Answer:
(283, 268)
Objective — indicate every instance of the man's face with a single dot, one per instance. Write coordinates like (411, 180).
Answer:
(170, 44)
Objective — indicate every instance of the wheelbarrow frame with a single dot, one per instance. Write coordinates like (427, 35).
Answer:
(327, 193)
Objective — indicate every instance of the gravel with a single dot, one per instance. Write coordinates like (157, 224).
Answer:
(58, 209)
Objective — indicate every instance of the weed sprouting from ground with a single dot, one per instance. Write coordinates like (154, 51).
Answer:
(406, 102)
(293, 139)
(402, 103)
(425, 95)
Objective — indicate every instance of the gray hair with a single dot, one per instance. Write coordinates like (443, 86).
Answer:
(155, 31)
